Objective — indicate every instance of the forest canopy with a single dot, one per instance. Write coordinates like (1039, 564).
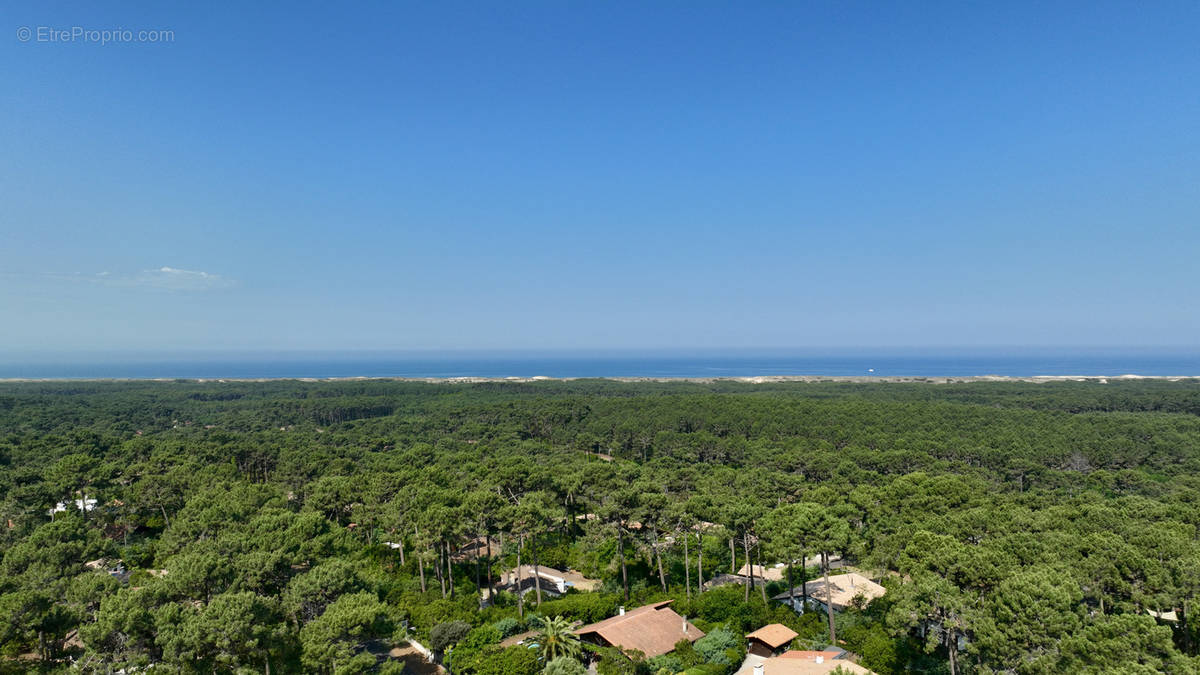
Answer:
(288, 526)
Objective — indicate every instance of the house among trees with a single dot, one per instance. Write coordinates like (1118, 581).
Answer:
(845, 588)
(477, 547)
(1170, 616)
(770, 640)
(774, 573)
(651, 629)
(797, 662)
(115, 569)
(764, 574)
(553, 582)
(725, 579)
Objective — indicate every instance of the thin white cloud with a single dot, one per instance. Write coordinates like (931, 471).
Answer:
(175, 279)
(165, 278)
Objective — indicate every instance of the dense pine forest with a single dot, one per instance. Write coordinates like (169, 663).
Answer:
(291, 526)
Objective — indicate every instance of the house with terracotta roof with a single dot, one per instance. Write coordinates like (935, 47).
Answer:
(844, 589)
(651, 629)
(770, 640)
(811, 663)
(798, 662)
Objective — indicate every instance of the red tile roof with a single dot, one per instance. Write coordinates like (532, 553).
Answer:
(805, 663)
(651, 629)
(810, 655)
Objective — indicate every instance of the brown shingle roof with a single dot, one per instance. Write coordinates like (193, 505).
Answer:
(774, 635)
(651, 629)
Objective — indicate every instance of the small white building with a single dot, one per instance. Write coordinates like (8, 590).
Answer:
(84, 504)
(552, 581)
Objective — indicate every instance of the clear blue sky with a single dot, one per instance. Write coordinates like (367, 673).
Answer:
(601, 175)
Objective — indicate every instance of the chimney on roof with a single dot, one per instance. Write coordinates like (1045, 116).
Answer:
(621, 610)
(684, 624)
(820, 659)
(758, 669)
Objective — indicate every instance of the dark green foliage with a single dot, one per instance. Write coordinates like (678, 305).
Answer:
(611, 661)
(708, 669)
(726, 605)
(1039, 522)
(669, 662)
(444, 635)
(508, 626)
(514, 660)
(234, 630)
(564, 665)
(333, 641)
(721, 646)
(879, 650)
(586, 607)
(479, 645)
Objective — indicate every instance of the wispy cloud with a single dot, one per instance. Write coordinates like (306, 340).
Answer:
(165, 278)
(175, 279)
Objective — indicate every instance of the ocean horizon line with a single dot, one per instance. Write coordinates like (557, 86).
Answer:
(1078, 364)
(748, 379)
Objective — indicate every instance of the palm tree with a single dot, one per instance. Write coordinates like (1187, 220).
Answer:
(556, 639)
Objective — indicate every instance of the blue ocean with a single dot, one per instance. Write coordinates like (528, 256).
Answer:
(923, 363)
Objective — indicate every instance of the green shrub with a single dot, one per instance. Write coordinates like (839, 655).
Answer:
(477, 647)
(811, 626)
(687, 655)
(556, 555)
(586, 607)
(726, 605)
(508, 626)
(444, 635)
(878, 649)
(504, 599)
(426, 613)
(707, 669)
(512, 661)
(564, 665)
(665, 662)
(613, 662)
(720, 647)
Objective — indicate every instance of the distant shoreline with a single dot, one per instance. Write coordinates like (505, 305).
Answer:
(733, 367)
(752, 379)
